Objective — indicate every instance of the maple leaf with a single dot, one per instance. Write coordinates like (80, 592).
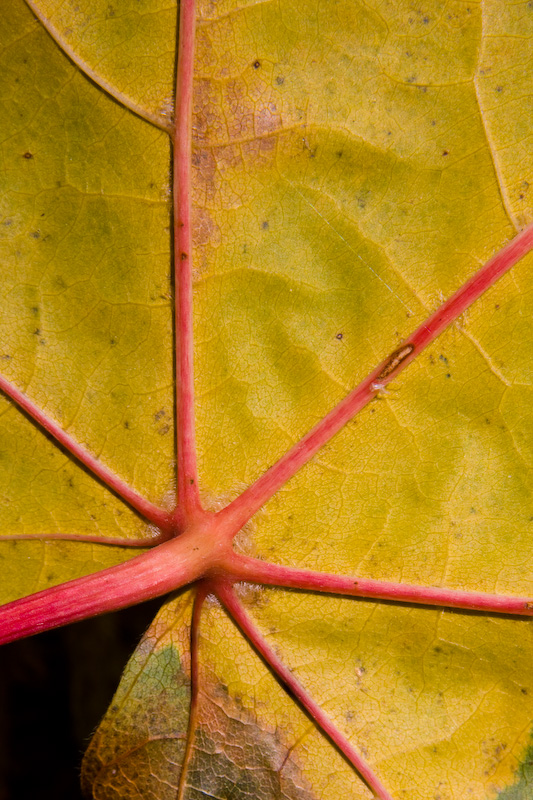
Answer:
(334, 173)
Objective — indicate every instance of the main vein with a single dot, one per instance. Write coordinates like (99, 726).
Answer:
(187, 479)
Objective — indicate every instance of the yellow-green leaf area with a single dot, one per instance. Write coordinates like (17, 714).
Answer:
(128, 49)
(505, 99)
(85, 297)
(427, 695)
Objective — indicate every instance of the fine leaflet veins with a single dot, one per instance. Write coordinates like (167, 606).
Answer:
(195, 546)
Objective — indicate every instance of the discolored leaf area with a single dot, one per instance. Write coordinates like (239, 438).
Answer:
(353, 164)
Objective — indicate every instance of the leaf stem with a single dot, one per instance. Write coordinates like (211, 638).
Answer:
(228, 598)
(237, 513)
(262, 572)
(187, 481)
(163, 569)
(157, 516)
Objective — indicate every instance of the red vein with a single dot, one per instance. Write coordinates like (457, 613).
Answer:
(157, 516)
(162, 569)
(188, 498)
(237, 513)
(256, 571)
(193, 712)
(227, 596)
(145, 541)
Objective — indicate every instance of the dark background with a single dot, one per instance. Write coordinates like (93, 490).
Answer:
(54, 689)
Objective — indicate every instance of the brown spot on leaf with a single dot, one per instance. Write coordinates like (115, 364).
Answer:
(206, 231)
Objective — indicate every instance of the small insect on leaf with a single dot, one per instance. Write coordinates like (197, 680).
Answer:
(394, 360)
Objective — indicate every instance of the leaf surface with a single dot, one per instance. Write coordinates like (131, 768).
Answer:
(85, 299)
(353, 165)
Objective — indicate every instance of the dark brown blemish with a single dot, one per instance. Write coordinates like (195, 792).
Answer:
(256, 64)
(339, 336)
(184, 256)
(394, 360)
(528, 606)
(28, 155)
